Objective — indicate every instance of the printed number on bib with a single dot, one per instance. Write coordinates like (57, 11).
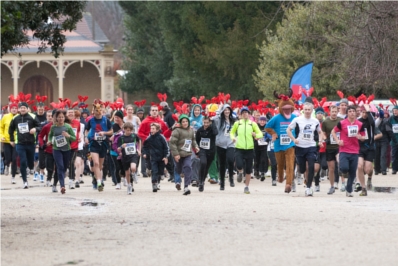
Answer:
(285, 140)
(23, 128)
(332, 139)
(352, 130)
(187, 145)
(60, 141)
(204, 143)
(98, 137)
(395, 128)
(262, 142)
(307, 135)
(130, 148)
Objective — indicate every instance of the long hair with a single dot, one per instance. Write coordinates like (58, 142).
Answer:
(58, 112)
(222, 118)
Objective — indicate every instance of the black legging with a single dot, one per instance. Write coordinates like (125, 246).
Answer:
(72, 165)
(117, 166)
(226, 156)
(261, 160)
(51, 168)
(206, 159)
(10, 156)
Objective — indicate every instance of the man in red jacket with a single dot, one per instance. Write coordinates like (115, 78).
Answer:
(48, 150)
(75, 124)
(145, 130)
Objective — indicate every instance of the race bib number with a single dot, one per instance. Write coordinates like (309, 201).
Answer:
(395, 128)
(352, 130)
(98, 137)
(187, 145)
(366, 134)
(332, 141)
(204, 143)
(307, 135)
(130, 148)
(23, 128)
(60, 141)
(285, 140)
(227, 129)
(262, 142)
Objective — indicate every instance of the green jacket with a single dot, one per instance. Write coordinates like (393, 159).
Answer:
(242, 131)
(182, 139)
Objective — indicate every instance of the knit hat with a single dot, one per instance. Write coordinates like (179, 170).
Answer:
(244, 109)
(183, 116)
(85, 111)
(263, 117)
(119, 114)
(319, 110)
(23, 104)
(344, 100)
(140, 110)
(309, 100)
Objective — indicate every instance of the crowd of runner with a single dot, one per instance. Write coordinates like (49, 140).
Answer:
(299, 144)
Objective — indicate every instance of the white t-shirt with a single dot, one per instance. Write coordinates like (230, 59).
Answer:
(307, 128)
(134, 121)
(81, 142)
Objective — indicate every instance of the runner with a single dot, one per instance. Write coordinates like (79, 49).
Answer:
(350, 131)
(283, 146)
(394, 141)
(42, 117)
(206, 137)
(74, 145)
(26, 124)
(116, 164)
(10, 153)
(306, 149)
(382, 144)
(242, 133)
(79, 161)
(60, 137)
(261, 150)
(98, 129)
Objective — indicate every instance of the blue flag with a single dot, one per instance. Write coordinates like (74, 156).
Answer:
(300, 82)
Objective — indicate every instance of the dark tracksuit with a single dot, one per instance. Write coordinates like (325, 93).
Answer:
(157, 148)
(207, 149)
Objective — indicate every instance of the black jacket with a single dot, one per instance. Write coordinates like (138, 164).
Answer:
(210, 133)
(16, 124)
(168, 118)
(156, 146)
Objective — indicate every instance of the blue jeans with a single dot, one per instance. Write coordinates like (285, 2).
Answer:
(184, 165)
(62, 159)
(348, 163)
(26, 153)
(394, 157)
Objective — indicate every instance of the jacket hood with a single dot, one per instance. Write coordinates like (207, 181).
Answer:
(186, 117)
(198, 119)
(225, 106)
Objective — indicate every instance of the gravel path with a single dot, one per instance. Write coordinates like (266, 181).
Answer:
(267, 227)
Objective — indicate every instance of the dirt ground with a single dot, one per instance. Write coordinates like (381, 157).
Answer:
(267, 227)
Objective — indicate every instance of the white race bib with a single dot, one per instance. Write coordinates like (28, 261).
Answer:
(284, 139)
(97, 137)
(75, 131)
(204, 143)
(395, 128)
(23, 128)
(130, 148)
(332, 139)
(262, 142)
(307, 135)
(227, 129)
(187, 145)
(352, 130)
(60, 141)
(272, 145)
(366, 134)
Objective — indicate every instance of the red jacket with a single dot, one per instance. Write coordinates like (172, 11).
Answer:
(145, 128)
(44, 134)
(75, 124)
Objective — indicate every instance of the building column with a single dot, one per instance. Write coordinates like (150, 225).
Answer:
(15, 76)
(60, 79)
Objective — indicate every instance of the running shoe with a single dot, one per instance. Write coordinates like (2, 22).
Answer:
(81, 181)
(63, 190)
(129, 189)
(25, 185)
(268, 174)
(256, 175)
(342, 189)
(100, 187)
(36, 176)
(95, 186)
(246, 191)
(13, 180)
(30, 171)
(309, 192)
(6, 171)
(336, 185)
(369, 185)
(348, 194)
(317, 188)
(54, 189)
(240, 177)
(293, 186)
(300, 180)
(194, 183)
(178, 186)
(162, 177)
(41, 178)
(118, 186)
(71, 184)
(213, 181)
(186, 191)
(262, 177)
(358, 187)
(135, 178)
(154, 187)
(364, 192)
(148, 172)
(48, 183)
(331, 191)
(274, 183)
(201, 187)
(124, 181)
(77, 184)
(159, 186)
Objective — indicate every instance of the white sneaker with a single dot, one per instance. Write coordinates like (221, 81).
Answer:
(162, 177)
(300, 180)
(309, 192)
(13, 180)
(293, 185)
(124, 182)
(336, 185)
(48, 183)
(135, 178)
(30, 171)
(54, 189)
(159, 186)
(118, 186)
(342, 189)
(6, 171)
(25, 185)
(317, 188)
(129, 189)
(71, 184)
(138, 174)
(268, 174)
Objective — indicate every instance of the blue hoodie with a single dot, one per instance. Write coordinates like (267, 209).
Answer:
(197, 119)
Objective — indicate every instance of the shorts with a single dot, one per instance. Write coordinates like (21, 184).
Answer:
(331, 154)
(244, 158)
(366, 154)
(101, 149)
(126, 164)
(36, 157)
(80, 153)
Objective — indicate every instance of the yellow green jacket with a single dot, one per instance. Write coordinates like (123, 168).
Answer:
(242, 132)
(4, 125)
